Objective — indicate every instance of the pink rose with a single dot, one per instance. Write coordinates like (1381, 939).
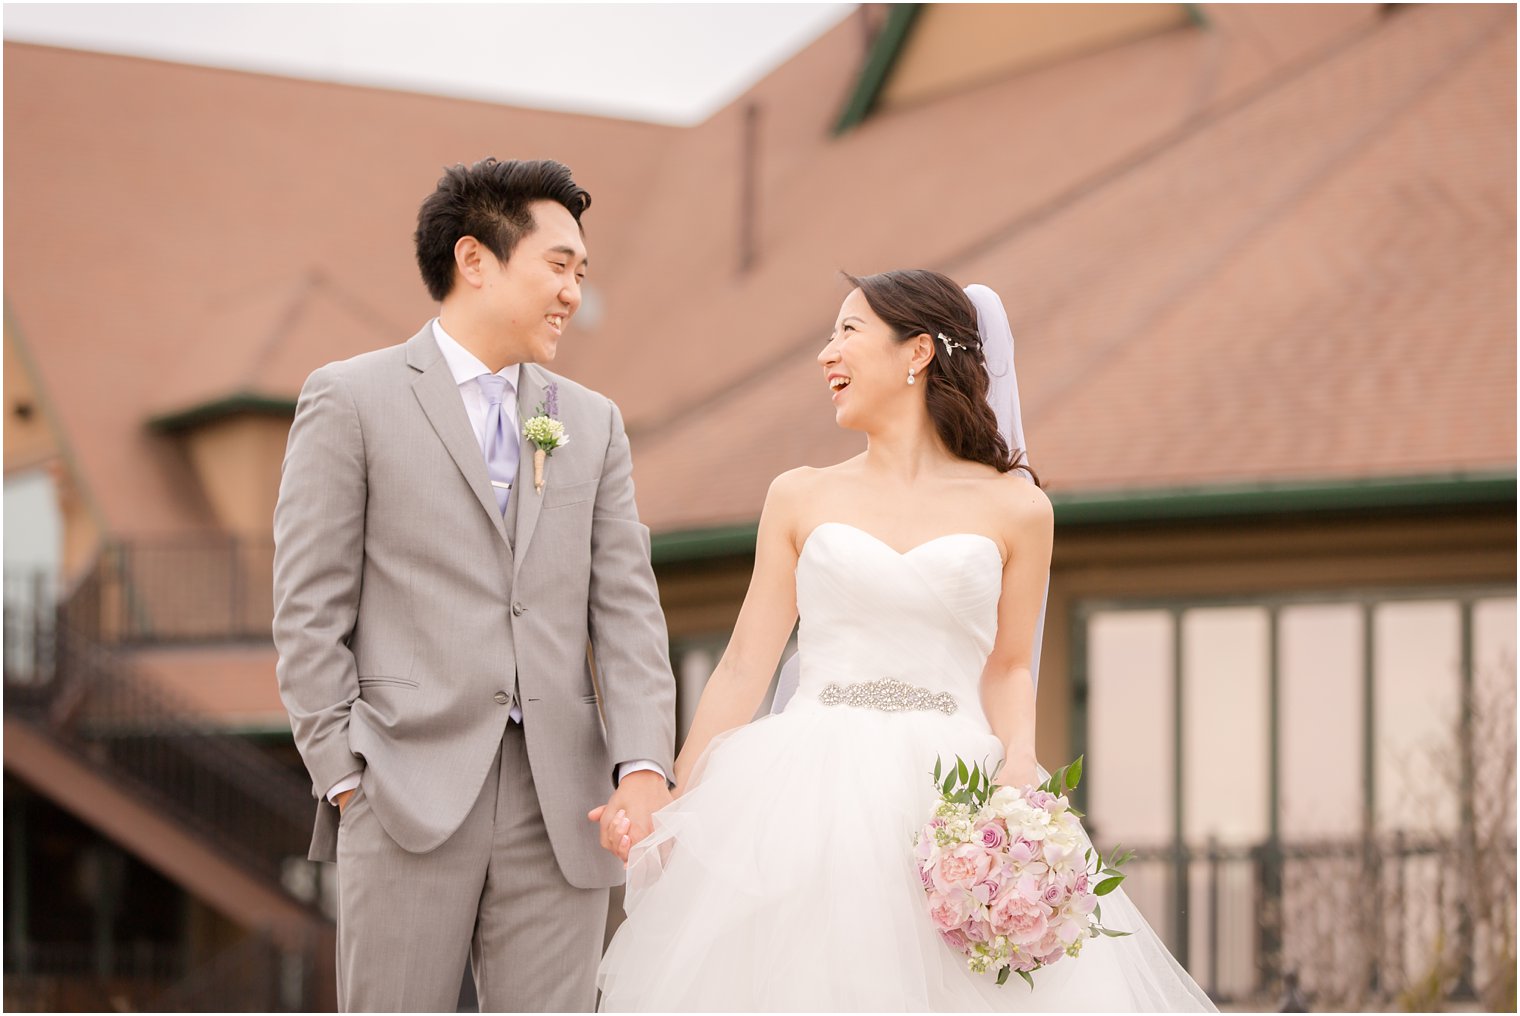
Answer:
(1052, 895)
(986, 890)
(992, 835)
(956, 938)
(961, 868)
(1021, 920)
(949, 911)
(978, 930)
(1023, 850)
(1042, 799)
(926, 875)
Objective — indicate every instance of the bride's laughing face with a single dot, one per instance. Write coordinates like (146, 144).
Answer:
(865, 366)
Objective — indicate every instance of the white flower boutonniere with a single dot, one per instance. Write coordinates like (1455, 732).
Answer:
(546, 433)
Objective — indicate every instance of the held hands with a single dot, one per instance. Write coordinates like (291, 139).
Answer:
(627, 817)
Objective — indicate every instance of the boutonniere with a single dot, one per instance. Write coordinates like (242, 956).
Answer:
(546, 433)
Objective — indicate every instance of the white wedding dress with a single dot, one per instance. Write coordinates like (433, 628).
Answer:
(783, 878)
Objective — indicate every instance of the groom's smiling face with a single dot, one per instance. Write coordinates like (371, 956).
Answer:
(534, 294)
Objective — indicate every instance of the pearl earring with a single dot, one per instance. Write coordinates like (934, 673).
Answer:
(910, 376)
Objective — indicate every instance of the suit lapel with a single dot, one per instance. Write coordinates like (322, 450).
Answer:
(530, 395)
(439, 395)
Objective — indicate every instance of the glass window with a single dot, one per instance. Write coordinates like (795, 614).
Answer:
(1225, 714)
(1130, 741)
(1417, 654)
(1320, 681)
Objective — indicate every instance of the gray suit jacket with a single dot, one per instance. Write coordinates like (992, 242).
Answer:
(407, 621)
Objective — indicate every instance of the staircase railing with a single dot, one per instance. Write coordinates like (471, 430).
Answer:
(87, 697)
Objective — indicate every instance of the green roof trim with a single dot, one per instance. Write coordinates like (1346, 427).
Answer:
(879, 61)
(1239, 500)
(1180, 504)
(230, 405)
(703, 544)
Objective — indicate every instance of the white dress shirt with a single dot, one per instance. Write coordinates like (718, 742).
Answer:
(466, 367)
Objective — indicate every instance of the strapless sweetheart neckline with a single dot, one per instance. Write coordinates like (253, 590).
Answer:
(987, 540)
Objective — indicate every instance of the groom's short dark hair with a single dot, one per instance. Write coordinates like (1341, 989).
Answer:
(488, 201)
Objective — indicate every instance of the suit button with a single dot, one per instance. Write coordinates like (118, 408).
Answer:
(502, 698)
(518, 610)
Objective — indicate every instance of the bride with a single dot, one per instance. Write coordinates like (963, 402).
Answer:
(782, 876)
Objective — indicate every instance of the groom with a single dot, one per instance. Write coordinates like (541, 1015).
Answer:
(472, 660)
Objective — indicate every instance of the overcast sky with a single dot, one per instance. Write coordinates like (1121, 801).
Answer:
(669, 63)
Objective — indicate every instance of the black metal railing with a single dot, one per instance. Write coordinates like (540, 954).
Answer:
(255, 975)
(86, 696)
(214, 588)
(139, 733)
(75, 977)
(1333, 925)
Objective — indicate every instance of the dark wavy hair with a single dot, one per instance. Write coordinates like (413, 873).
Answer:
(488, 201)
(915, 302)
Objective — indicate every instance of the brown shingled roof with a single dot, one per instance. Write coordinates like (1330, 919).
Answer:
(1277, 247)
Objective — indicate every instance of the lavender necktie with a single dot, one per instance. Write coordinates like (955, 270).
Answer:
(501, 438)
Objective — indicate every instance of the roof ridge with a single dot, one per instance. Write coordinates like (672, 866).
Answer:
(315, 283)
(280, 328)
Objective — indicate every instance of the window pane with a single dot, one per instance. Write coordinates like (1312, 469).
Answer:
(1416, 660)
(1493, 731)
(1320, 756)
(1224, 680)
(1494, 660)
(1128, 772)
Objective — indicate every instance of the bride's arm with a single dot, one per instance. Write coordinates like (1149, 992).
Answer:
(734, 691)
(1008, 692)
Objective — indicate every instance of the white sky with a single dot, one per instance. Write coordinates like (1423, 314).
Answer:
(667, 63)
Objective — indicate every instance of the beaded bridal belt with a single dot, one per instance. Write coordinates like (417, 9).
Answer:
(888, 695)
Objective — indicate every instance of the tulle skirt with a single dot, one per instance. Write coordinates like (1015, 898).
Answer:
(783, 880)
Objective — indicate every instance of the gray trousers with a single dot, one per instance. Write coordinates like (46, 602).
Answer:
(492, 893)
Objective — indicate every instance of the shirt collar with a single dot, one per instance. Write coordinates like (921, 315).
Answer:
(465, 365)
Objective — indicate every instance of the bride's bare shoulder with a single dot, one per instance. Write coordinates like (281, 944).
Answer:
(1023, 504)
(807, 482)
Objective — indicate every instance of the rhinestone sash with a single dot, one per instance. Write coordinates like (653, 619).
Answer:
(888, 695)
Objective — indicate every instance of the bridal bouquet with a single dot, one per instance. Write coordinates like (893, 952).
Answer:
(1008, 880)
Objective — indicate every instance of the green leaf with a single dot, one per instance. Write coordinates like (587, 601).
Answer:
(1003, 975)
(1107, 886)
(1079, 814)
(937, 764)
(949, 782)
(1027, 979)
(1114, 934)
(960, 768)
(1098, 912)
(1074, 776)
